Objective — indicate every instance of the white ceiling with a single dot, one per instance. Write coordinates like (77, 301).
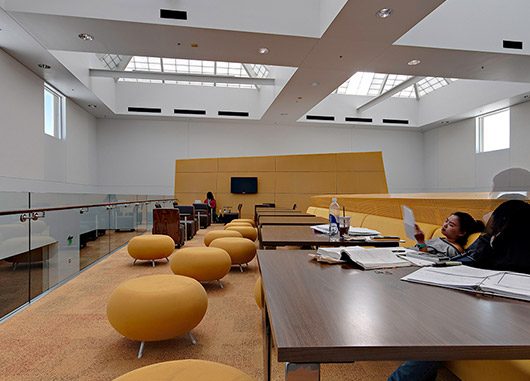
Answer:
(315, 41)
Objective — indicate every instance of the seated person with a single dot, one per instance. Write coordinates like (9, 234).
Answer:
(456, 229)
(504, 246)
(212, 204)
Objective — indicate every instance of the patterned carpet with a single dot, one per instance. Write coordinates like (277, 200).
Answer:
(66, 335)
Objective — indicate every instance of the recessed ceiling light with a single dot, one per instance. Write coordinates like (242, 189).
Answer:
(86, 37)
(283, 114)
(44, 66)
(299, 97)
(263, 50)
(413, 62)
(384, 13)
(92, 106)
(315, 84)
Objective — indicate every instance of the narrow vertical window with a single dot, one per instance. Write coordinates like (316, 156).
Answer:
(493, 131)
(53, 112)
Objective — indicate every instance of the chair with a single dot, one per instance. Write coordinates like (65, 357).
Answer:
(203, 214)
(239, 207)
(167, 221)
(189, 219)
(294, 206)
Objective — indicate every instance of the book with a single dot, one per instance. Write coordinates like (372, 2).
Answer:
(352, 231)
(500, 283)
(431, 257)
(368, 259)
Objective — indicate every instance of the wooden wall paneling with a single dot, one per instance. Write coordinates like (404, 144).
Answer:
(247, 164)
(196, 165)
(195, 182)
(302, 201)
(348, 182)
(371, 182)
(306, 163)
(306, 182)
(360, 161)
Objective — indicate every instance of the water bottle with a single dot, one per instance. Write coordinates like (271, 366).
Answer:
(334, 213)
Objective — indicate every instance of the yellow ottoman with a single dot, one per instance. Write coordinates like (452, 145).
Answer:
(240, 223)
(186, 370)
(210, 236)
(201, 263)
(249, 220)
(241, 250)
(151, 247)
(157, 307)
(246, 231)
(258, 293)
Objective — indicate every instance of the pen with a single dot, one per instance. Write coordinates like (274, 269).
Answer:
(398, 251)
(446, 264)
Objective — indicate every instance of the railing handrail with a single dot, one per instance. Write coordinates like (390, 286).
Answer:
(57, 208)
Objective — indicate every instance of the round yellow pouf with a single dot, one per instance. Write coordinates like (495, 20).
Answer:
(249, 220)
(241, 250)
(151, 247)
(238, 223)
(246, 231)
(258, 293)
(157, 307)
(186, 370)
(201, 263)
(210, 236)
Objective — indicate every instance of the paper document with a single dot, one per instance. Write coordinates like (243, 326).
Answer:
(500, 283)
(431, 257)
(351, 231)
(409, 221)
(368, 259)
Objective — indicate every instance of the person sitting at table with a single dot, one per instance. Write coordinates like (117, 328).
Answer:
(212, 204)
(456, 230)
(504, 246)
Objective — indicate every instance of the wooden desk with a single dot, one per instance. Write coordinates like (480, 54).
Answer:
(291, 220)
(330, 313)
(282, 213)
(271, 236)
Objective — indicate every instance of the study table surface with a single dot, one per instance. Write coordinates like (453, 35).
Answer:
(322, 313)
(269, 213)
(291, 220)
(303, 235)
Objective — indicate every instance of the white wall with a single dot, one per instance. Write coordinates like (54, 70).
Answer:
(451, 163)
(31, 160)
(138, 156)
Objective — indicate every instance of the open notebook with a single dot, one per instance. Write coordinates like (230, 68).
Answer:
(500, 283)
(368, 259)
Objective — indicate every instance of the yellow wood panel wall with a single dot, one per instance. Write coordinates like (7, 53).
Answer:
(285, 180)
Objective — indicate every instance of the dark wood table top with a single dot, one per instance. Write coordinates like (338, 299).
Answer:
(291, 220)
(334, 313)
(303, 235)
(266, 213)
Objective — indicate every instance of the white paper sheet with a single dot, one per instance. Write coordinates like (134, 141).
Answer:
(409, 221)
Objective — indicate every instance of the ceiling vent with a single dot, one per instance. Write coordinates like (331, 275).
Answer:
(507, 44)
(232, 113)
(362, 120)
(189, 112)
(151, 110)
(173, 15)
(396, 121)
(319, 117)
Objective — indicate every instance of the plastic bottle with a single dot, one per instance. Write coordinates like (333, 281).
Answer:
(334, 213)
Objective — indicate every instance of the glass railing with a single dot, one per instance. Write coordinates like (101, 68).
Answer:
(47, 238)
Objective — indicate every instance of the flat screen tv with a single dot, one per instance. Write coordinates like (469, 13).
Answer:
(244, 185)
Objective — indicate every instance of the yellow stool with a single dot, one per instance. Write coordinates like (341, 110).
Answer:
(249, 220)
(151, 247)
(201, 263)
(238, 223)
(246, 231)
(258, 293)
(157, 307)
(186, 370)
(210, 236)
(241, 250)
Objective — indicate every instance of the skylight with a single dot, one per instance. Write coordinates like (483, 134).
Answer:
(374, 84)
(186, 66)
(111, 61)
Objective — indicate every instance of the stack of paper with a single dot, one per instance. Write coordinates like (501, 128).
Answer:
(368, 259)
(351, 231)
(500, 283)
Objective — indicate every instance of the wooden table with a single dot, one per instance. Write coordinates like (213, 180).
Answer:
(291, 220)
(333, 313)
(271, 236)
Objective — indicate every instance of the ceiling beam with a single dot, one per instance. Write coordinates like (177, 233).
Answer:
(181, 77)
(387, 94)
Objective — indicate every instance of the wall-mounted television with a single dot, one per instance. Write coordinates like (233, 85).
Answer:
(244, 185)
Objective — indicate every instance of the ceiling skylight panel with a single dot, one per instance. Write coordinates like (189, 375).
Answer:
(429, 84)
(261, 71)
(406, 93)
(393, 80)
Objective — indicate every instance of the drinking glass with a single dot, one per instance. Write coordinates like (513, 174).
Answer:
(344, 225)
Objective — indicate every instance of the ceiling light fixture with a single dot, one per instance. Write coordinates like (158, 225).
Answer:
(44, 66)
(92, 106)
(263, 50)
(315, 84)
(413, 62)
(85, 37)
(384, 13)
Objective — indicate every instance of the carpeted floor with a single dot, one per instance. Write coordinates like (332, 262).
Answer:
(66, 335)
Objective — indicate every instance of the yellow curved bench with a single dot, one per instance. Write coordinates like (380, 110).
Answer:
(186, 370)
(157, 307)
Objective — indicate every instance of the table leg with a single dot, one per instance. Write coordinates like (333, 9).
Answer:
(266, 343)
(302, 372)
